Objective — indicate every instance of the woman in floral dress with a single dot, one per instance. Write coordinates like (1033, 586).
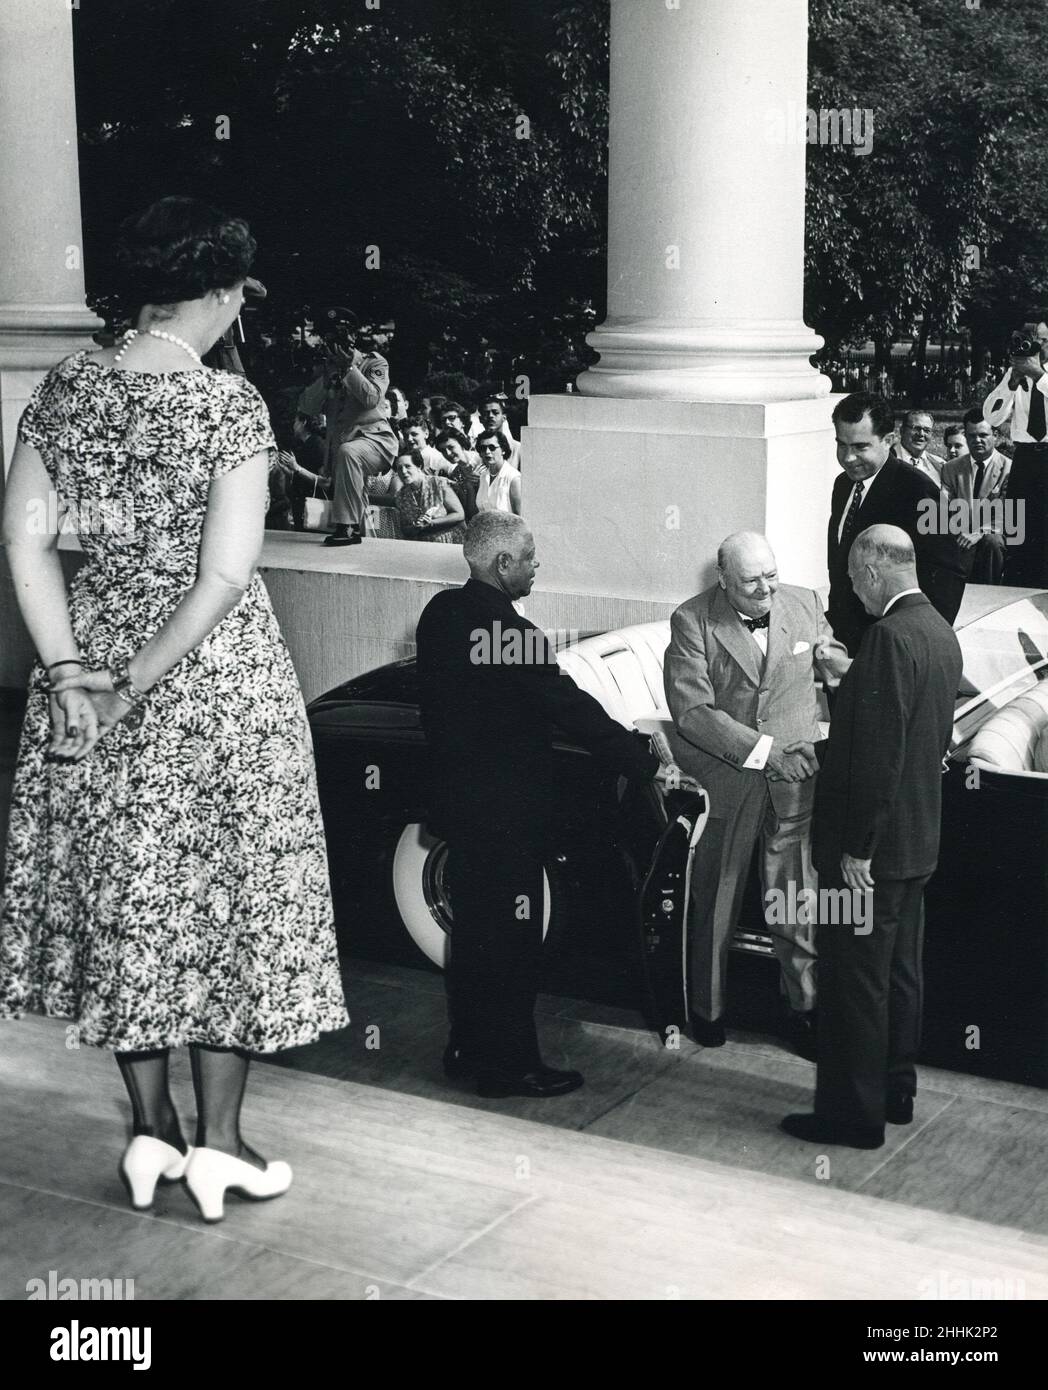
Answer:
(429, 509)
(166, 870)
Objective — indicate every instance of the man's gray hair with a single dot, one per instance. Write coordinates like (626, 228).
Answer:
(884, 545)
(488, 534)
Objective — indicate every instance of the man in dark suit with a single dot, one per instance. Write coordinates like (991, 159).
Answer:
(876, 832)
(876, 488)
(492, 695)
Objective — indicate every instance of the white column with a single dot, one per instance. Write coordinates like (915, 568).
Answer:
(42, 311)
(706, 204)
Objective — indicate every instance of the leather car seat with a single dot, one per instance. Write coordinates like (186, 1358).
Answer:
(1015, 739)
(622, 670)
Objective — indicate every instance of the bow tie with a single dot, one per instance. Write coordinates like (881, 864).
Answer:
(754, 623)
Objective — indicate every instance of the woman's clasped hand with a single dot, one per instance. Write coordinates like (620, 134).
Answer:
(84, 708)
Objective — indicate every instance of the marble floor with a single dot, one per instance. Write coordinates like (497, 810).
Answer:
(664, 1177)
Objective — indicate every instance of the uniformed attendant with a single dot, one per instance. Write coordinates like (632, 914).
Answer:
(492, 695)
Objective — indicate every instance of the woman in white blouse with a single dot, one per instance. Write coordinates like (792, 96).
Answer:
(499, 489)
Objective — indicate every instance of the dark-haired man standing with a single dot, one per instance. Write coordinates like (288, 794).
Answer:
(877, 488)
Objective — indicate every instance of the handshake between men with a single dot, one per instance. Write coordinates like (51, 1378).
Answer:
(797, 761)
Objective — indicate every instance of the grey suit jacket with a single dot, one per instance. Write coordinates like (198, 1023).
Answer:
(958, 477)
(723, 695)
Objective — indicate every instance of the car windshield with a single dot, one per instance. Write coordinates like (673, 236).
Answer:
(1005, 653)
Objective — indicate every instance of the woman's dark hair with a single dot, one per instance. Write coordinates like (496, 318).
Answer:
(456, 435)
(415, 455)
(500, 439)
(180, 248)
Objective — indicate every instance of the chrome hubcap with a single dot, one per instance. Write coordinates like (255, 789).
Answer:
(435, 887)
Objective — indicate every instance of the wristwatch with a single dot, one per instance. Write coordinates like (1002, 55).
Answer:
(123, 684)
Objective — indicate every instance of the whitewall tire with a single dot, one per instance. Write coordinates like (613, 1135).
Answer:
(420, 891)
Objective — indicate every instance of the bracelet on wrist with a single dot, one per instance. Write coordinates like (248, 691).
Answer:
(123, 684)
(72, 661)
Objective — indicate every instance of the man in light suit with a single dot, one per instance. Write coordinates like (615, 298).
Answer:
(740, 683)
(980, 475)
(361, 443)
(912, 448)
(876, 831)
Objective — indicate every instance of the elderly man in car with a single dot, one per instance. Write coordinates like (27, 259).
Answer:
(740, 675)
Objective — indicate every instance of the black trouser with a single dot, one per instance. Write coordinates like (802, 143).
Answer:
(494, 969)
(1026, 565)
(870, 994)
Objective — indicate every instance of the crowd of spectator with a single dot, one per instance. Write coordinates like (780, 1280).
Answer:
(364, 458)
(361, 457)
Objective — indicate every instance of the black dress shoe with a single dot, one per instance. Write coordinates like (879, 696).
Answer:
(536, 1085)
(343, 538)
(708, 1032)
(801, 1035)
(816, 1130)
(898, 1108)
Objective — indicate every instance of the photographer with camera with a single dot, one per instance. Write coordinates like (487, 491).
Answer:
(361, 443)
(1020, 397)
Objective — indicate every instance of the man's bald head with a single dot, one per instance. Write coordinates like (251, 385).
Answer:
(881, 563)
(888, 546)
(749, 575)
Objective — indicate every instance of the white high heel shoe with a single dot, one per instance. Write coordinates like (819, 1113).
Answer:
(145, 1161)
(212, 1173)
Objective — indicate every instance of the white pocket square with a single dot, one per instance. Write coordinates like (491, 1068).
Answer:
(801, 647)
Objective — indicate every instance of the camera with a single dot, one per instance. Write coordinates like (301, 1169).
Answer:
(1025, 345)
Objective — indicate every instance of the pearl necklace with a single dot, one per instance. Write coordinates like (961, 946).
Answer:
(132, 334)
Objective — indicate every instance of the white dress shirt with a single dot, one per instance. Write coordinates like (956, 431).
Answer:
(931, 465)
(867, 483)
(1004, 404)
(758, 758)
(895, 599)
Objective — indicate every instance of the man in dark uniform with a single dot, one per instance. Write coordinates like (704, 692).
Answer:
(876, 488)
(491, 695)
(875, 835)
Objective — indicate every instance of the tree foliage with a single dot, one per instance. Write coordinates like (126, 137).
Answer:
(466, 141)
(947, 218)
(421, 160)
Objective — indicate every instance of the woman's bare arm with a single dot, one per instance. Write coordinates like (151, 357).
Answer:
(32, 553)
(230, 545)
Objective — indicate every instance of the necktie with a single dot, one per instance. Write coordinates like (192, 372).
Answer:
(977, 484)
(754, 623)
(851, 521)
(1036, 427)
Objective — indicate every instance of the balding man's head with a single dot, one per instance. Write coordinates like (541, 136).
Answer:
(748, 573)
(881, 563)
(500, 550)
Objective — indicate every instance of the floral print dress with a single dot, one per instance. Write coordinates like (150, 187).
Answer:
(171, 887)
(416, 499)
